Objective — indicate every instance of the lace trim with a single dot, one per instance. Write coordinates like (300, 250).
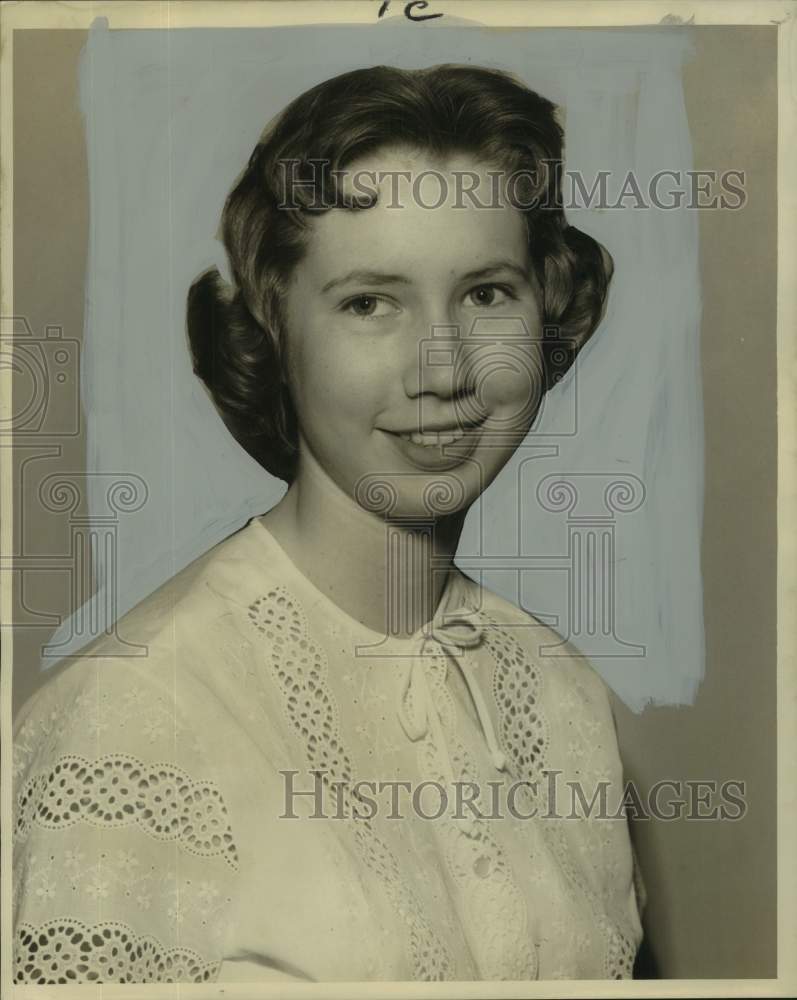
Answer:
(69, 951)
(517, 689)
(620, 955)
(299, 668)
(116, 790)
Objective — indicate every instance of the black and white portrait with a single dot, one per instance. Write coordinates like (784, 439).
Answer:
(394, 536)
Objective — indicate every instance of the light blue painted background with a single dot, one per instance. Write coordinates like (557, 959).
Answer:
(171, 118)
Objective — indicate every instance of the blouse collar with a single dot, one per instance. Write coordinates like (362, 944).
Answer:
(454, 627)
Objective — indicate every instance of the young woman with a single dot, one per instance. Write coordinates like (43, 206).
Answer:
(343, 759)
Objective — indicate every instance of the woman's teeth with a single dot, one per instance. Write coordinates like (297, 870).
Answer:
(433, 438)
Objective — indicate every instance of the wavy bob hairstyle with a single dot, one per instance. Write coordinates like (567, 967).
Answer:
(236, 331)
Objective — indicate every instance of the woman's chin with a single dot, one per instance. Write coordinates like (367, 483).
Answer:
(422, 494)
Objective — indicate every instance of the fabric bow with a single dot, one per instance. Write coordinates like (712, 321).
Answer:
(417, 710)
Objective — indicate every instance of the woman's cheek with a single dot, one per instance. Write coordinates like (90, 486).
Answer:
(365, 377)
(511, 384)
(344, 390)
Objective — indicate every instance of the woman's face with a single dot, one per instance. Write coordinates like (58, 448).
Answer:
(412, 343)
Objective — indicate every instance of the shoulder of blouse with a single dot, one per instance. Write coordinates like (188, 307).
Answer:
(163, 632)
(147, 704)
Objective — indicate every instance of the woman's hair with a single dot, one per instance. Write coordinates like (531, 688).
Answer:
(236, 332)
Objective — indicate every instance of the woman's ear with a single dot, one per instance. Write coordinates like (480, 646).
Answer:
(608, 263)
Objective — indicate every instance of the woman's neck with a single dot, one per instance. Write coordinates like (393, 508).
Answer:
(387, 574)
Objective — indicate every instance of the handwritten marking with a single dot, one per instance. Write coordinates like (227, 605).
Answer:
(409, 10)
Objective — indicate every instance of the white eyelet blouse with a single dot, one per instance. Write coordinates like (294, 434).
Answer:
(276, 791)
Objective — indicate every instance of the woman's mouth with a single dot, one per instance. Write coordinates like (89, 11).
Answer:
(433, 439)
(448, 446)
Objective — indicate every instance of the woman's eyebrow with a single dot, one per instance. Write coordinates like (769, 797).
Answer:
(495, 267)
(367, 277)
(383, 278)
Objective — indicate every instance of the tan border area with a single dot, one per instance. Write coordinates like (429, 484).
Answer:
(146, 14)
(500, 13)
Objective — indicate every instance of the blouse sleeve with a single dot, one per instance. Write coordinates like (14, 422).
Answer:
(124, 859)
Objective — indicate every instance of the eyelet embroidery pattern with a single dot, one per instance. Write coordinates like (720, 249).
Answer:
(517, 693)
(517, 689)
(299, 668)
(77, 820)
(117, 790)
(69, 951)
(42, 954)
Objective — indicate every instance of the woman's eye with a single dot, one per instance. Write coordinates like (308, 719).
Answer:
(490, 295)
(368, 307)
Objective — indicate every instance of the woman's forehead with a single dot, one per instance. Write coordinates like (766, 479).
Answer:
(428, 243)
(426, 213)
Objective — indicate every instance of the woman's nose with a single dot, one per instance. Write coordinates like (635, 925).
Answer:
(434, 360)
